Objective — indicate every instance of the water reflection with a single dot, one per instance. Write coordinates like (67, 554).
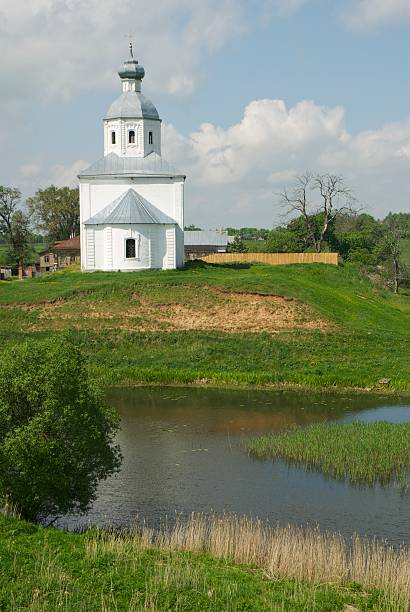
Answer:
(184, 451)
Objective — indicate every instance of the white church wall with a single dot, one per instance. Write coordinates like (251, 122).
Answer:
(141, 146)
(109, 127)
(165, 194)
(98, 246)
(142, 237)
(162, 247)
(105, 247)
(155, 128)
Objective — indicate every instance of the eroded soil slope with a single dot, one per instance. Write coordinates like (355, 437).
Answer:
(179, 308)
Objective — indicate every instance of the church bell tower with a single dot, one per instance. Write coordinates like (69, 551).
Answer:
(132, 127)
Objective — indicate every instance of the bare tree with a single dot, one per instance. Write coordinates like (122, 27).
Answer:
(334, 199)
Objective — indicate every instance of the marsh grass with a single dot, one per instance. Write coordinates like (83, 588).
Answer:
(362, 453)
(202, 563)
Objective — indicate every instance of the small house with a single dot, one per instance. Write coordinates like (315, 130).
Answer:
(60, 255)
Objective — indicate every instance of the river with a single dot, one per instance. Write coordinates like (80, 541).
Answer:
(185, 450)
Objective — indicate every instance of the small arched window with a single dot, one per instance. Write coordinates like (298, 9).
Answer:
(150, 138)
(131, 137)
(130, 251)
(112, 137)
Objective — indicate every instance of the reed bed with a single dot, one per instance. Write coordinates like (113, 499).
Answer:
(362, 453)
(307, 555)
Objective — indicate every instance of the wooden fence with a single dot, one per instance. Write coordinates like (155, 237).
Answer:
(273, 259)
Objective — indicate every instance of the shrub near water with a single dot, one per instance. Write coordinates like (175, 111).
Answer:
(359, 452)
(56, 435)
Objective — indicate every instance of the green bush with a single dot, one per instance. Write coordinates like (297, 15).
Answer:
(56, 435)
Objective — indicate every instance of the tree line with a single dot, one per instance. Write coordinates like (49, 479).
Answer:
(54, 213)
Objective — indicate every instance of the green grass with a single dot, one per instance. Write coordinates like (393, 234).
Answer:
(45, 569)
(362, 453)
(367, 338)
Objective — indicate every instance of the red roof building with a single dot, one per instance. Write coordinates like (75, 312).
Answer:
(60, 255)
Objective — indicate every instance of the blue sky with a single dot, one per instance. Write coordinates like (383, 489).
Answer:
(338, 72)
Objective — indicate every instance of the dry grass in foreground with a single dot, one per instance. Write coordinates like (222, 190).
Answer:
(282, 552)
(211, 564)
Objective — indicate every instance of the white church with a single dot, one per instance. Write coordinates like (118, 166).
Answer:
(131, 200)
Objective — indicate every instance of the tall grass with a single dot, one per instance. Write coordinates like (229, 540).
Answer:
(307, 555)
(203, 563)
(358, 452)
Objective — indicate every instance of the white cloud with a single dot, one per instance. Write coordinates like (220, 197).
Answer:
(29, 170)
(366, 13)
(356, 14)
(61, 175)
(52, 50)
(56, 48)
(233, 173)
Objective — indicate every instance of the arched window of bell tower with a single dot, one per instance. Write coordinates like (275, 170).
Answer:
(112, 137)
(150, 138)
(131, 137)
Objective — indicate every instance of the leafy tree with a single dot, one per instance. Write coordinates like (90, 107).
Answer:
(56, 435)
(20, 248)
(282, 240)
(389, 251)
(192, 228)
(357, 237)
(56, 212)
(401, 220)
(237, 245)
(14, 226)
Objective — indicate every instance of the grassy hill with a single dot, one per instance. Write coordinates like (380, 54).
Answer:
(316, 325)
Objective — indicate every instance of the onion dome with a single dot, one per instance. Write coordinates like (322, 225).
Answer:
(131, 69)
(132, 104)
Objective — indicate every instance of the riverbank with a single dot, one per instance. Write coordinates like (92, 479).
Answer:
(218, 564)
(308, 327)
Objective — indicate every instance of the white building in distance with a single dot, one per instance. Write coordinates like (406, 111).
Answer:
(131, 200)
